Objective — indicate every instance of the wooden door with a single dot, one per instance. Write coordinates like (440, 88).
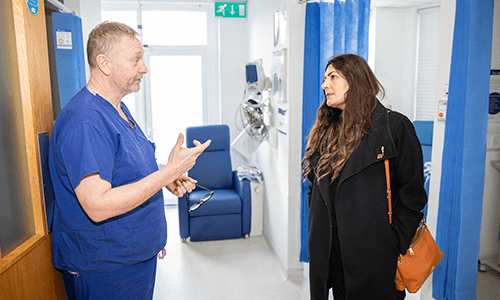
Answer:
(26, 270)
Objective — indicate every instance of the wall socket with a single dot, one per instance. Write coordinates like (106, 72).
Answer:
(493, 142)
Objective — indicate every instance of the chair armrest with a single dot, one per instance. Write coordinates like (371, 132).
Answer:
(183, 217)
(242, 188)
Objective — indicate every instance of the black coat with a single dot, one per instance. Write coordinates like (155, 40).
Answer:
(369, 244)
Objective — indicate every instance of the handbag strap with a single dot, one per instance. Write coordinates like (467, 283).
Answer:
(389, 193)
(388, 180)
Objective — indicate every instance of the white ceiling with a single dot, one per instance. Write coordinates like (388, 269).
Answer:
(402, 3)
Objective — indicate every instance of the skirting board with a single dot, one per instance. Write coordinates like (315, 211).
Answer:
(287, 274)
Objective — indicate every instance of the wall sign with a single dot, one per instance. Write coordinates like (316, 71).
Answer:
(279, 76)
(32, 6)
(63, 39)
(231, 9)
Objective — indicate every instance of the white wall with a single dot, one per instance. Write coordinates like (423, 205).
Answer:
(281, 165)
(272, 161)
(296, 15)
(395, 55)
(233, 55)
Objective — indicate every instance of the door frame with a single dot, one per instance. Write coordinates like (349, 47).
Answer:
(27, 271)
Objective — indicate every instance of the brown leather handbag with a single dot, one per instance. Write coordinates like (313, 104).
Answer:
(422, 256)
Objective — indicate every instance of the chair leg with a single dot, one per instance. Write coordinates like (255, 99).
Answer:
(183, 240)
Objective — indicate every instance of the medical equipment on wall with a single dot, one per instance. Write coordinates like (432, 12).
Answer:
(255, 101)
(256, 80)
(252, 117)
(252, 114)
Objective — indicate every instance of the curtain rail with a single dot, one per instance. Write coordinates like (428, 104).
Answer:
(60, 6)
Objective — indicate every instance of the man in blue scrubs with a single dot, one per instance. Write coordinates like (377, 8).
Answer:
(109, 219)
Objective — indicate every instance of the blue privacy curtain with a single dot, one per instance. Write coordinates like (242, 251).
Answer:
(464, 152)
(332, 28)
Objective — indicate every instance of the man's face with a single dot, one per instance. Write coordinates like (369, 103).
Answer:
(128, 65)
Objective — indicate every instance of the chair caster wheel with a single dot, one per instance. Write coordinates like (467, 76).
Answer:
(183, 240)
(245, 236)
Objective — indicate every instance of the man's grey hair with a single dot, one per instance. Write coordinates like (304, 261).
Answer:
(104, 37)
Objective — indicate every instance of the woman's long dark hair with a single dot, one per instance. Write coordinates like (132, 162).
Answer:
(336, 133)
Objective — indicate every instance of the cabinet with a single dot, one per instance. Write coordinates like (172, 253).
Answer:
(257, 208)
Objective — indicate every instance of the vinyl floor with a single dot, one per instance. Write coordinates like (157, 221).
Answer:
(242, 269)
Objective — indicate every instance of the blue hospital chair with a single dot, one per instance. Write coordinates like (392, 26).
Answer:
(227, 214)
(424, 131)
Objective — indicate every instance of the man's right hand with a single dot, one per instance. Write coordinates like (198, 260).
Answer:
(183, 159)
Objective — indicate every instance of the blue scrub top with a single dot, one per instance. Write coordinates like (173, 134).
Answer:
(90, 137)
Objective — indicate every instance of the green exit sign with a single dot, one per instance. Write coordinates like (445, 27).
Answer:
(231, 9)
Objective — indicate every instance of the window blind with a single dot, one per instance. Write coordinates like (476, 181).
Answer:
(427, 56)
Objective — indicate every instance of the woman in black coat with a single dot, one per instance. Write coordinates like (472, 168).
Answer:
(353, 249)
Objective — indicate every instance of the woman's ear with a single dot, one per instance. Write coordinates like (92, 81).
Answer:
(104, 64)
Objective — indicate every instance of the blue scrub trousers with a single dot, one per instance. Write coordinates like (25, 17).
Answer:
(135, 282)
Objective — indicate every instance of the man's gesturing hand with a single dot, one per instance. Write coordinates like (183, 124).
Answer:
(183, 159)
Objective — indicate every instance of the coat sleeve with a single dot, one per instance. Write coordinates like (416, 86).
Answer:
(409, 196)
(310, 177)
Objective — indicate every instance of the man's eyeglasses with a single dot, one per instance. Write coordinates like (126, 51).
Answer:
(202, 200)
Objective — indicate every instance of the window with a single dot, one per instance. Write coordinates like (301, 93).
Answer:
(128, 17)
(174, 28)
(427, 56)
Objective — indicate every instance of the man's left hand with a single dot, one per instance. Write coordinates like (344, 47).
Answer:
(181, 185)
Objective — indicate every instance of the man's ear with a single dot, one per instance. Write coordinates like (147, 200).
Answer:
(104, 64)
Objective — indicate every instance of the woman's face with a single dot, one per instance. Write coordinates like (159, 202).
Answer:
(335, 86)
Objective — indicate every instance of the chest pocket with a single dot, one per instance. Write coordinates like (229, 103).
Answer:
(134, 159)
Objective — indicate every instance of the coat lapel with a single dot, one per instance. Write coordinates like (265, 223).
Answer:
(324, 189)
(369, 151)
